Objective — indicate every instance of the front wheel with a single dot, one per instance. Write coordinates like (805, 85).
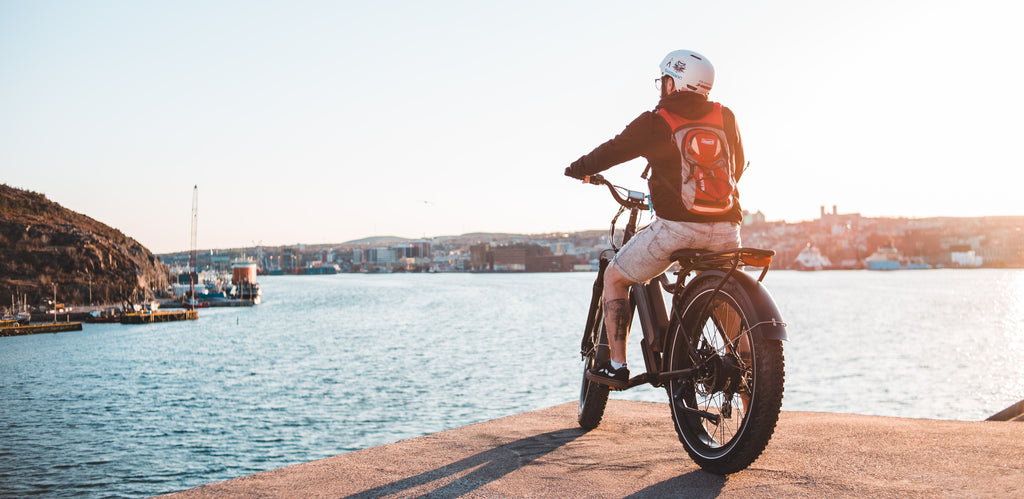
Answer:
(726, 411)
(593, 396)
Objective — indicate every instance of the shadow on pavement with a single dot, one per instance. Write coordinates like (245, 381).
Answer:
(696, 484)
(489, 466)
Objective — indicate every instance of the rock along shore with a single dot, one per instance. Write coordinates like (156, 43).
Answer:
(635, 453)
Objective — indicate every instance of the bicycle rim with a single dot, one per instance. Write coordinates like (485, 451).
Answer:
(593, 396)
(725, 413)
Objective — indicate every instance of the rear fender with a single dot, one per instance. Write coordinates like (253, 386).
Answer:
(768, 324)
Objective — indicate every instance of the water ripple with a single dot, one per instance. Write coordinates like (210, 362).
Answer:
(331, 364)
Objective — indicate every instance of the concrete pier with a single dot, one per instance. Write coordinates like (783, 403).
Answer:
(635, 453)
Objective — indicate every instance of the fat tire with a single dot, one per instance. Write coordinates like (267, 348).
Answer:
(758, 424)
(593, 396)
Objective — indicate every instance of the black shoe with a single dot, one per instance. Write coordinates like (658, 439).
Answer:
(604, 374)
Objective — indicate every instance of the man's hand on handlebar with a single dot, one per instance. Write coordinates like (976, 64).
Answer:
(595, 179)
(570, 173)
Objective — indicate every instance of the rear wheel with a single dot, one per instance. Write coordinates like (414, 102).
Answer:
(593, 396)
(725, 413)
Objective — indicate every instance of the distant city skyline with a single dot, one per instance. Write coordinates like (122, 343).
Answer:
(321, 122)
(834, 241)
(752, 221)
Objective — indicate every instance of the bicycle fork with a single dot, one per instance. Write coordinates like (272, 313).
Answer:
(602, 353)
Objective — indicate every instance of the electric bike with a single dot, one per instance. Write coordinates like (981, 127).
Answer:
(717, 350)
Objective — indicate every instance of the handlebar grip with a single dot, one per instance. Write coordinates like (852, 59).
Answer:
(595, 179)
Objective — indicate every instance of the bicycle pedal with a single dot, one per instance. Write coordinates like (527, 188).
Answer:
(637, 380)
(610, 383)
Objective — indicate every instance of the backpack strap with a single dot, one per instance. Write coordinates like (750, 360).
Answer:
(670, 118)
(675, 121)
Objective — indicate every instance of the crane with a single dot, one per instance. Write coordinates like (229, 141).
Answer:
(192, 273)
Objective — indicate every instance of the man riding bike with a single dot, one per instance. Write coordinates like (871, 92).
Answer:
(675, 139)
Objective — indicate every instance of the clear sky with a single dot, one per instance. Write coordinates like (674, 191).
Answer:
(313, 122)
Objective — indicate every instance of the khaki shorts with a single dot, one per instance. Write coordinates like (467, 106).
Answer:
(648, 254)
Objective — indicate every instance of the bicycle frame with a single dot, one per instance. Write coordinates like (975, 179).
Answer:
(648, 300)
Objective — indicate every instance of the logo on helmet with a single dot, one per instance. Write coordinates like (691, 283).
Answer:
(679, 66)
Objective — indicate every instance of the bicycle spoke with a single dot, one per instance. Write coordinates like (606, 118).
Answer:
(724, 339)
(726, 321)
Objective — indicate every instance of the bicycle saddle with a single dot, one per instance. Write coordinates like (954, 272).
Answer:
(687, 255)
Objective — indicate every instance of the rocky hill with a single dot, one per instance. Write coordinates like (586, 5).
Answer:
(43, 243)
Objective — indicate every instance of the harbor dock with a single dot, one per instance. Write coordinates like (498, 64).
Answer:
(53, 327)
(73, 321)
(159, 316)
(636, 453)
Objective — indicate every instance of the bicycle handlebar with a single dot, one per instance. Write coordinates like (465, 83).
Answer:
(632, 200)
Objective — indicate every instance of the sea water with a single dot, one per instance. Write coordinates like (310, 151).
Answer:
(332, 364)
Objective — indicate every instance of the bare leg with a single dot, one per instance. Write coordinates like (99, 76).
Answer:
(616, 312)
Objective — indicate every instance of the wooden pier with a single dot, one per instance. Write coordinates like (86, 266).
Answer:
(159, 316)
(53, 327)
(13, 328)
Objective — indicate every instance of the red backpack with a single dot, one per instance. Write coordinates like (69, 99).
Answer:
(708, 164)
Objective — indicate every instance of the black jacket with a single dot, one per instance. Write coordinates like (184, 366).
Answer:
(650, 136)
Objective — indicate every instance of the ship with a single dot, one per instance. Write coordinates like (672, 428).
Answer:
(243, 281)
(889, 258)
(322, 269)
(19, 312)
(810, 258)
(21, 317)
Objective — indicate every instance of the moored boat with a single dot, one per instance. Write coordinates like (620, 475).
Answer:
(889, 258)
(811, 258)
(243, 281)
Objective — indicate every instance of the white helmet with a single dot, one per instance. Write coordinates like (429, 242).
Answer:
(689, 70)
